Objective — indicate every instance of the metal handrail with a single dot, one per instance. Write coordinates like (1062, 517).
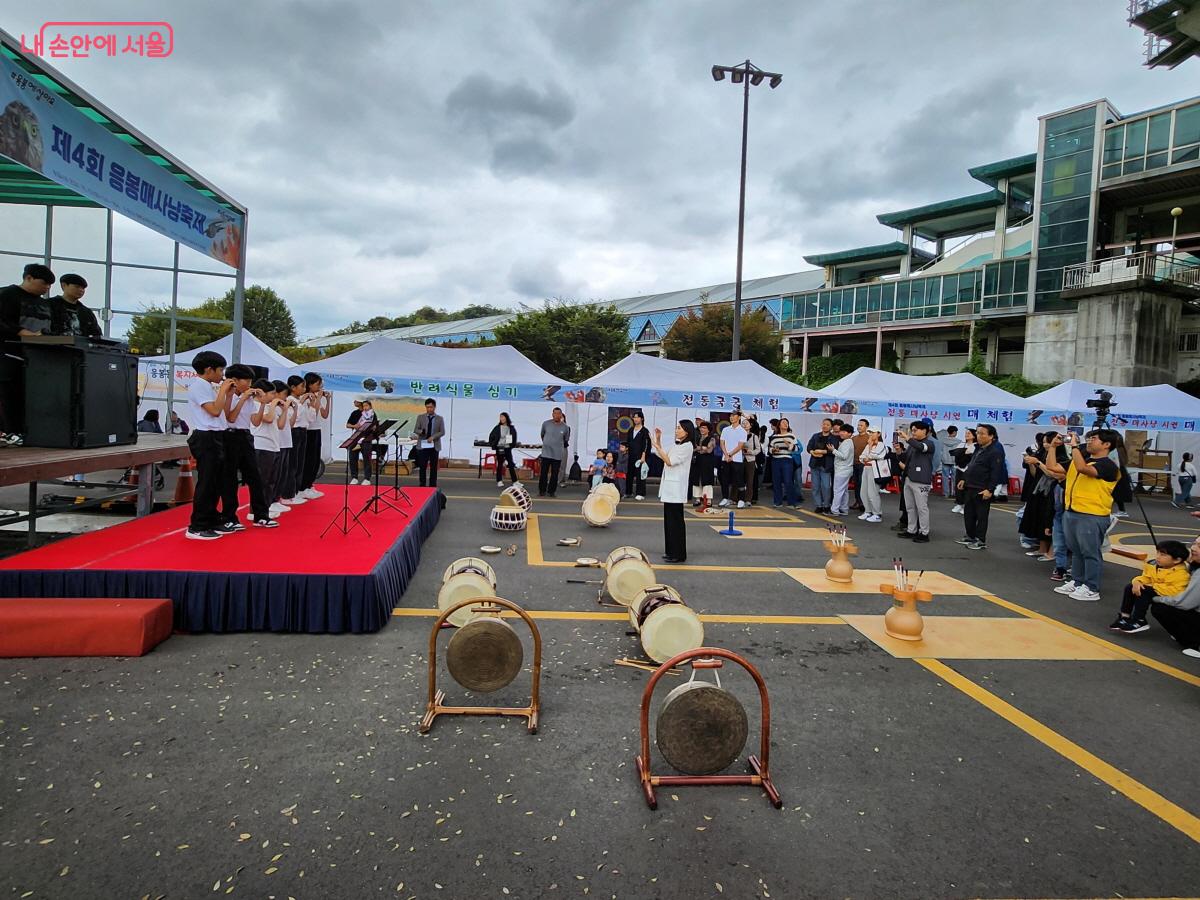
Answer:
(1130, 267)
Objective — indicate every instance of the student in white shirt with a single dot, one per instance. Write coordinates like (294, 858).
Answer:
(319, 401)
(284, 415)
(673, 486)
(733, 472)
(292, 495)
(243, 415)
(208, 400)
(266, 441)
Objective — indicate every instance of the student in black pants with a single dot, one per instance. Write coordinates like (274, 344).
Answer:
(319, 402)
(639, 452)
(208, 402)
(240, 458)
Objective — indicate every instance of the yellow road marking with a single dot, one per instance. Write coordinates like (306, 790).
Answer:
(533, 541)
(775, 532)
(1127, 653)
(1151, 801)
(584, 615)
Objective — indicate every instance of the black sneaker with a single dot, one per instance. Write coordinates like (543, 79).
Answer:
(206, 534)
(265, 523)
(920, 539)
(1058, 575)
(977, 545)
(1131, 627)
(1118, 624)
(908, 535)
(230, 527)
(964, 540)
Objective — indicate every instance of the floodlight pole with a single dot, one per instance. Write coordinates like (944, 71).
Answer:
(239, 293)
(748, 74)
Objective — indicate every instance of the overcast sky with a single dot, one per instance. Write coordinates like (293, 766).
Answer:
(396, 154)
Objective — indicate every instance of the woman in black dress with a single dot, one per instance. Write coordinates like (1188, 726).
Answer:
(1037, 524)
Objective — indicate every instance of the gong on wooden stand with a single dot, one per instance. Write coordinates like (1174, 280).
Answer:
(702, 729)
(484, 655)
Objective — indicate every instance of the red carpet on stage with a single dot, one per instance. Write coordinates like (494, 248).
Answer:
(278, 579)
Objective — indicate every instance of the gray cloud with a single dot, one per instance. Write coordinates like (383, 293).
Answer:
(459, 153)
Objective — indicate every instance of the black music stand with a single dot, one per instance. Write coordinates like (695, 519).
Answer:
(342, 520)
(373, 433)
(397, 492)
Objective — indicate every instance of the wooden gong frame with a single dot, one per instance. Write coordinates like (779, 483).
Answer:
(435, 707)
(708, 658)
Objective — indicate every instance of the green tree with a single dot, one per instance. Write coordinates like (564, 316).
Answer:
(264, 313)
(707, 336)
(479, 310)
(302, 355)
(574, 341)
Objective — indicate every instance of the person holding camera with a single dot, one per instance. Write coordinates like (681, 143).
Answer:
(1088, 501)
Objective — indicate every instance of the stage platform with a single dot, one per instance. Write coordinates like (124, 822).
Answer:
(280, 579)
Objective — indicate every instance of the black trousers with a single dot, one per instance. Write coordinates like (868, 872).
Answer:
(634, 482)
(975, 514)
(858, 478)
(732, 478)
(296, 468)
(427, 459)
(1181, 624)
(240, 460)
(674, 532)
(548, 476)
(208, 449)
(1135, 607)
(353, 456)
(283, 475)
(504, 457)
(268, 470)
(312, 458)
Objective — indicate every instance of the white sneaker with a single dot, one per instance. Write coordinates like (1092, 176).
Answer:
(1192, 652)
(865, 516)
(957, 508)
(312, 494)
(723, 503)
(499, 484)
(1067, 587)
(639, 497)
(741, 504)
(278, 509)
(874, 519)
(354, 481)
(293, 501)
(1084, 593)
(1121, 514)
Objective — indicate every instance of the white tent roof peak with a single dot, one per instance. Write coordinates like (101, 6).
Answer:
(254, 353)
(387, 356)
(1150, 400)
(745, 376)
(960, 388)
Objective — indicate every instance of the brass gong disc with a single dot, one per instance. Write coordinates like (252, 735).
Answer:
(484, 655)
(701, 728)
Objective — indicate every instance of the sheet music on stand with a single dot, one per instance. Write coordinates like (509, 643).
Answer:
(377, 432)
(397, 492)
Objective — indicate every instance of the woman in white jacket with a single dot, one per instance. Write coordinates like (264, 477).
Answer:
(673, 486)
(874, 465)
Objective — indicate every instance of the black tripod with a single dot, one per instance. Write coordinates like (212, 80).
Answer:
(397, 492)
(377, 500)
(345, 521)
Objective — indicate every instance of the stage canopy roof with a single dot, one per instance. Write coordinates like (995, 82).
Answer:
(962, 388)
(744, 376)
(1152, 400)
(254, 353)
(385, 356)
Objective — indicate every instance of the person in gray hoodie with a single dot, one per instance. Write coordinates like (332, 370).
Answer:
(950, 442)
(1179, 615)
(918, 462)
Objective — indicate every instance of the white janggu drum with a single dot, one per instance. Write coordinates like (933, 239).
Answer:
(509, 518)
(465, 579)
(628, 572)
(609, 490)
(516, 495)
(665, 624)
(599, 508)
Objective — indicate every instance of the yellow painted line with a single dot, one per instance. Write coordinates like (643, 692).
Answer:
(1151, 801)
(1146, 661)
(797, 532)
(584, 615)
(533, 541)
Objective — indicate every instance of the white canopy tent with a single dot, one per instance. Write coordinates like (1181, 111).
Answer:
(743, 376)
(959, 388)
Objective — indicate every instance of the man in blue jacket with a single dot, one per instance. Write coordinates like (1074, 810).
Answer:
(985, 471)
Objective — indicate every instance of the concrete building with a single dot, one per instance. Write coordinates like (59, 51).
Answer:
(1079, 260)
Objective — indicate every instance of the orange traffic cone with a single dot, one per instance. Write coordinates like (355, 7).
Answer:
(185, 487)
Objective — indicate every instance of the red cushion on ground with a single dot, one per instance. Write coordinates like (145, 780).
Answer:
(82, 626)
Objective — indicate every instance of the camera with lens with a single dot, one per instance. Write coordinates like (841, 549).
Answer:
(1102, 405)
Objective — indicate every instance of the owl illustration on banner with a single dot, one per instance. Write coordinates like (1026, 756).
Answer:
(21, 136)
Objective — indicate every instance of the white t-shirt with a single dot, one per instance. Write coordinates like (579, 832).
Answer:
(199, 393)
(285, 434)
(730, 438)
(266, 435)
(242, 422)
(312, 418)
(673, 485)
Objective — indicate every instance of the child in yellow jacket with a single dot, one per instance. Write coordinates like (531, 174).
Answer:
(1165, 577)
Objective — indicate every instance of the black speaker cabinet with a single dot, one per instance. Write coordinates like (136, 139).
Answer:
(260, 372)
(80, 397)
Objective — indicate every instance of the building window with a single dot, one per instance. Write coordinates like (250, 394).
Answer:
(648, 332)
(1189, 343)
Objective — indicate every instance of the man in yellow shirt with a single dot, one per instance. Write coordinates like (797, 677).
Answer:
(1087, 501)
(1167, 576)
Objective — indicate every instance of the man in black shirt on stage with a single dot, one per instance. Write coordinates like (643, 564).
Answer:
(24, 311)
(68, 315)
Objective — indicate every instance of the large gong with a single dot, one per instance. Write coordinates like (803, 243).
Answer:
(484, 655)
(701, 728)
